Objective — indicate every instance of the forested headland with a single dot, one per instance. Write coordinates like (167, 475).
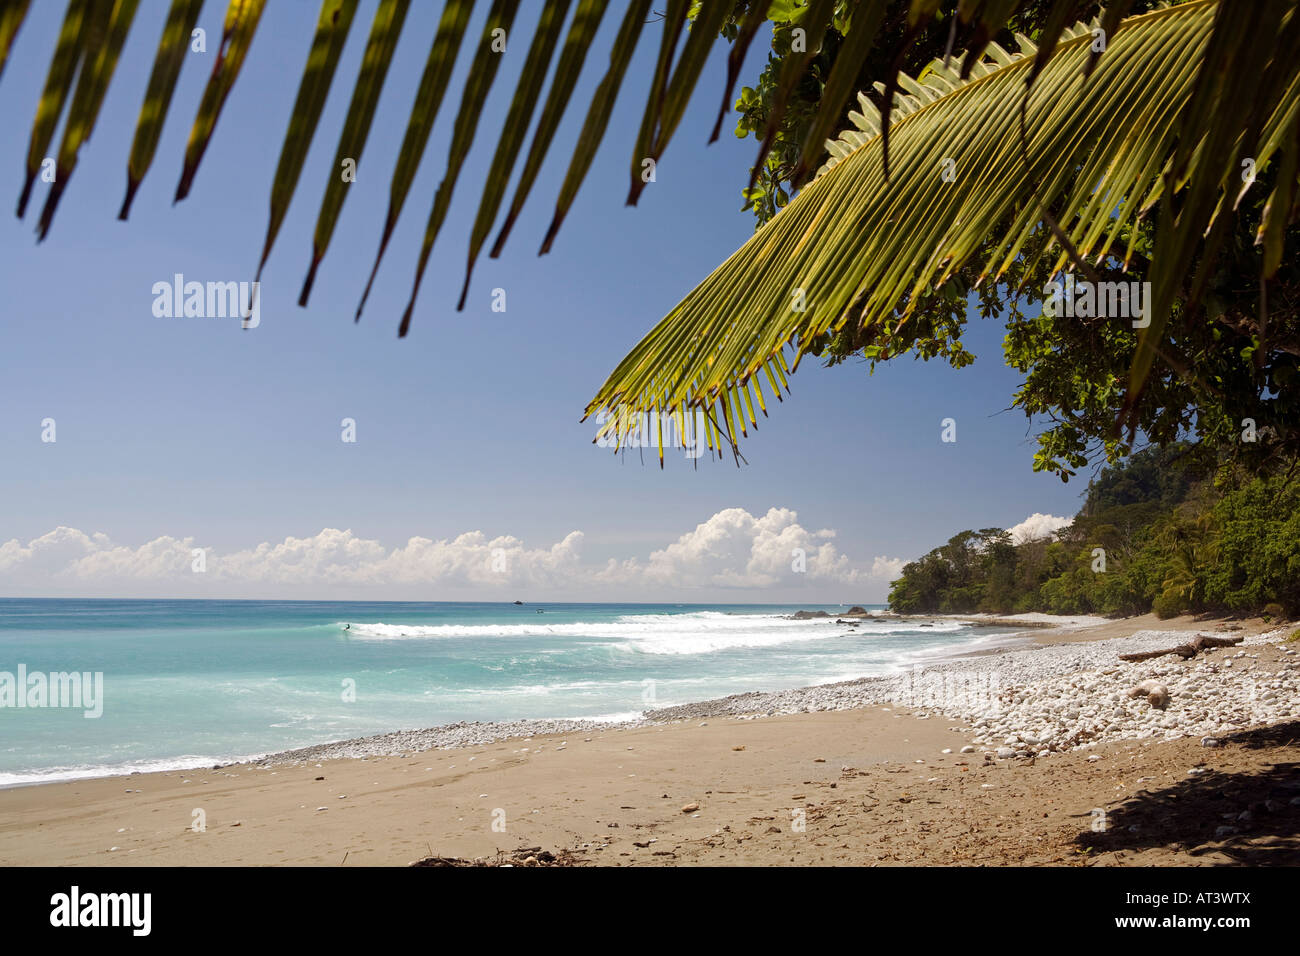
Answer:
(1165, 531)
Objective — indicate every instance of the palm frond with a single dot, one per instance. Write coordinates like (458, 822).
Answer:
(12, 13)
(865, 19)
(107, 26)
(482, 73)
(602, 105)
(242, 18)
(581, 34)
(332, 28)
(851, 247)
(674, 23)
(73, 37)
(428, 101)
(518, 119)
(754, 18)
(817, 17)
(384, 31)
(158, 97)
(1226, 91)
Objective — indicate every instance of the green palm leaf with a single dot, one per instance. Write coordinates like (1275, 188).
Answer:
(73, 36)
(602, 104)
(483, 72)
(866, 17)
(674, 23)
(754, 18)
(816, 18)
(686, 74)
(428, 100)
(516, 125)
(109, 26)
(332, 29)
(162, 83)
(1231, 100)
(384, 31)
(12, 13)
(853, 247)
(581, 32)
(242, 17)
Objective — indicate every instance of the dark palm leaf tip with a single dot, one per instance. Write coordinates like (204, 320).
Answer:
(332, 29)
(106, 29)
(602, 105)
(754, 18)
(482, 75)
(582, 32)
(172, 48)
(866, 19)
(674, 22)
(518, 119)
(428, 101)
(816, 20)
(242, 18)
(380, 46)
(68, 53)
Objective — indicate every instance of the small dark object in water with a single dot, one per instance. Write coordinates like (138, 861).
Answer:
(518, 602)
(540, 611)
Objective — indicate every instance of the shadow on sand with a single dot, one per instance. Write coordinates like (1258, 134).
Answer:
(1204, 813)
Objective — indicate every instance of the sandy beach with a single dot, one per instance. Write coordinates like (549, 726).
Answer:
(835, 775)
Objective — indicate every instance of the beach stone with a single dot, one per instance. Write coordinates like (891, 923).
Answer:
(1005, 752)
(690, 808)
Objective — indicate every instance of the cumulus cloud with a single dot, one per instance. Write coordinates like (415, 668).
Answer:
(1037, 525)
(732, 550)
(887, 569)
(735, 549)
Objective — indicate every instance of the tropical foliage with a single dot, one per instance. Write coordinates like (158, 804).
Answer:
(1017, 166)
(1197, 89)
(1163, 531)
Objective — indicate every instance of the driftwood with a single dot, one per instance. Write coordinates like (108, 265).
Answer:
(1186, 651)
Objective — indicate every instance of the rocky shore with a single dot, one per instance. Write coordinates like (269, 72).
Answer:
(463, 734)
(1017, 703)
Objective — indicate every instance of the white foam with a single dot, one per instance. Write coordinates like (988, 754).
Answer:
(88, 771)
(700, 632)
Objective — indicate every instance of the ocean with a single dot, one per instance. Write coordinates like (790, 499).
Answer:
(193, 683)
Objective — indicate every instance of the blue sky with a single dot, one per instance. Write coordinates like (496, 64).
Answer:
(193, 431)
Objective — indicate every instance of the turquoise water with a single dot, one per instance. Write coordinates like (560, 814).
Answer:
(189, 683)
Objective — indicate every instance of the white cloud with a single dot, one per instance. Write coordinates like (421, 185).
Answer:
(731, 551)
(735, 549)
(1037, 525)
(887, 569)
